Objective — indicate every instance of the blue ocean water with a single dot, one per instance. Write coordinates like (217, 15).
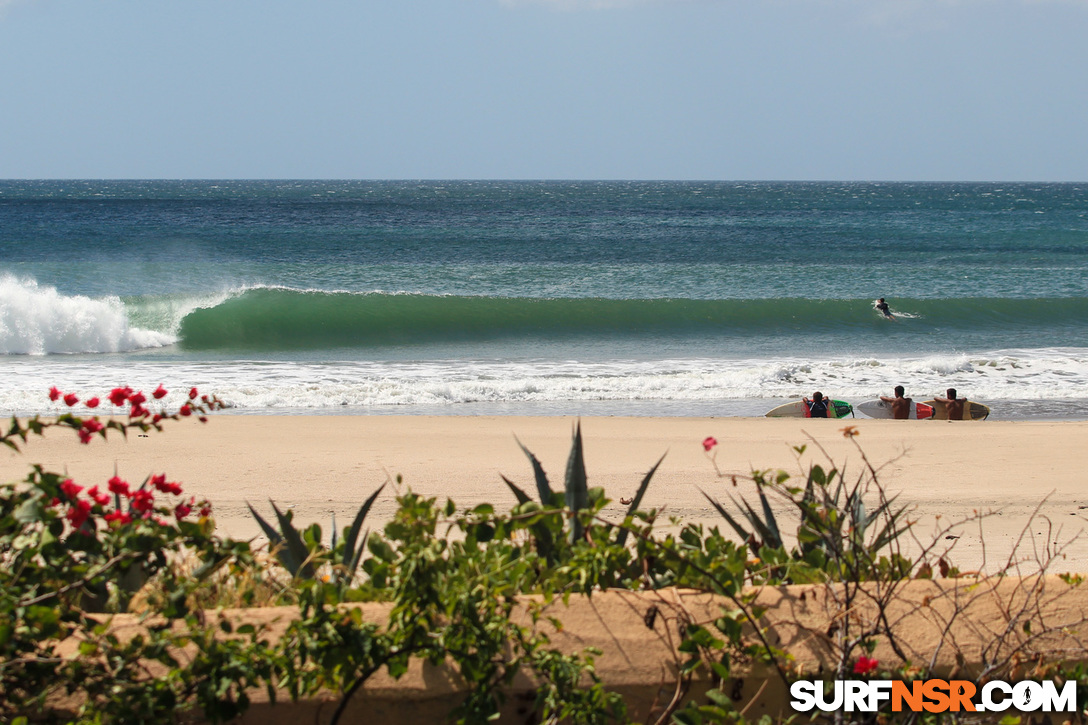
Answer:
(460, 297)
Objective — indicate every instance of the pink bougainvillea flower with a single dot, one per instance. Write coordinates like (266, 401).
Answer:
(160, 392)
(99, 498)
(143, 501)
(182, 510)
(92, 402)
(118, 517)
(70, 488)
(118, 486)
(54, 394)
(78, 513)
(193, 392)
(71, 399)
(118, 396)
(865, 665)
(709, 442)
(88, 428)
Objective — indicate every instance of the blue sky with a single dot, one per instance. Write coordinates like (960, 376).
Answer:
(936, 90)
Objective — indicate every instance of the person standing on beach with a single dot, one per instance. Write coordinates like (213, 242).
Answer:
(953, 404)
(818, 407)
(900, 404)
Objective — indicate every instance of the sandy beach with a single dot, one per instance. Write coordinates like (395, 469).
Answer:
(324, 465)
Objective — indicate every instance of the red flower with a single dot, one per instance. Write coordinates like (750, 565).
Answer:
(865, 665)
(71, 399)
(138, 411)
(78, 513)
(185, 410)
(118, 396)
(143, 501)
(193, 393)
(70, 488)
(92, 402)
(205, 510)
(118, 486)
(54, 394)
(88, 428)
(137, 398)
(709, 442)
(160, 392)
(158, 481)
(119, 517)
(181, 511)
(99, 498)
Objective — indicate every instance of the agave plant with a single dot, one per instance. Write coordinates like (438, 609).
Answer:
(301, 550)
(576, 494)
(835, 531)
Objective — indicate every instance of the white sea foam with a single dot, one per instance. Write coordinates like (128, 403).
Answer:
(274, 386)
(39, 320)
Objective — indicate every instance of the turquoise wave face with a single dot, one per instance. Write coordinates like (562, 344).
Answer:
(280, 319)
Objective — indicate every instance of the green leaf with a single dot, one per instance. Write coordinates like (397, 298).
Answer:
(520, 495)
(353, 555)
(772, 524)
(544, 489)
(621, 539)
(744, 535)
(30, 511)
(576, 486)
(274, 536)
(296, 551)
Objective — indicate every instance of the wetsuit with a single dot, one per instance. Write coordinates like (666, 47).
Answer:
(818, 408)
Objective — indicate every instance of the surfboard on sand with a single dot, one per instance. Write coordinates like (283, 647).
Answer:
(879, 409)
(796, 409)
(971, 410)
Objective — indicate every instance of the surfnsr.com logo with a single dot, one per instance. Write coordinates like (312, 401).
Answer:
(933, 696)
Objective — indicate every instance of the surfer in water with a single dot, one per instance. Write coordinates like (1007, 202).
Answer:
(900, 405)
(818, 407)
(953, 404)
(883, 307)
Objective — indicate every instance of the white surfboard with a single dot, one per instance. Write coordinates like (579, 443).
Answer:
(879, 409)
(971, 410)
(796, 409)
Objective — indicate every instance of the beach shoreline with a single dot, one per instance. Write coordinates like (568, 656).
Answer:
(325, 466)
